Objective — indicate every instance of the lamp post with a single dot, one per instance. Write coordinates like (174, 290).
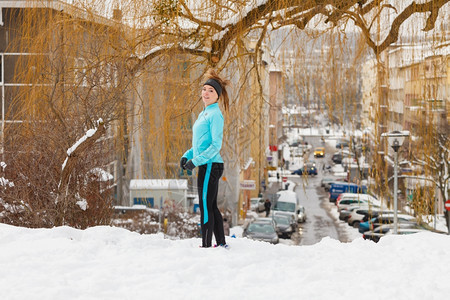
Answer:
(395, 140)
(272, 129)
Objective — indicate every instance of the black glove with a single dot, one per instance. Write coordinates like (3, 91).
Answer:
(189, 165)
(183, 161)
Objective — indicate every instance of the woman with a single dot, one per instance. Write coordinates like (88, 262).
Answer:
(205, 154)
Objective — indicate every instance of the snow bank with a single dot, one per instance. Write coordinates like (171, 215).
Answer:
(113, 263)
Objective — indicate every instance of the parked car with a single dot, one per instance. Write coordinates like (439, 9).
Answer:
(301, 214)
(352, 202)
(257, 204)
(270, 221)
(402, 229)
(345, 200)
(361, 197)
(312, 170)
(319, 152)
(357, 215)
(384, 219)
(327, 181)
(284, 227)
(336, 158)
(346, 153)
(347, 161)
(261, 231)
(341, 144)
(344, 214)
(290, 216)
(340, 156)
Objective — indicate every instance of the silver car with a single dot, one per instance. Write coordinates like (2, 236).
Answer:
(283, 226)
(301, 214)
(261, 231)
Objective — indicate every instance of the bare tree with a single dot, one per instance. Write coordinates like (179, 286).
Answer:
(217, 25)
(85, 69)
(74, 82)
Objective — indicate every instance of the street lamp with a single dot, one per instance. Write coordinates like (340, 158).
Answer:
(395, 140)
(272, 129)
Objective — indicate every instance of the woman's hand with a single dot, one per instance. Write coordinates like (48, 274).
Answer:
(183, 161)
(189, 165)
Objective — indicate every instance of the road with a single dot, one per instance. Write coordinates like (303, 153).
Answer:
(320, 222)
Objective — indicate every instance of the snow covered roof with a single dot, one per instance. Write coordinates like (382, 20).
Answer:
(158, 184)
(66, 6)
(247, 163)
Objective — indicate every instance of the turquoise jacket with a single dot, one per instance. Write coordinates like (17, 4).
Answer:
(207, 135)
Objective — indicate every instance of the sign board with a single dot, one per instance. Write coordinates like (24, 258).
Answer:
(447, 205)
(248, 185)
(284, 179)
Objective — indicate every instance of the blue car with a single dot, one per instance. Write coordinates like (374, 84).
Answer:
(309, 170)
(365, 226)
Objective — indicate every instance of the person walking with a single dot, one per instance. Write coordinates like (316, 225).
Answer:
(267, 206)
(205, 154)
(226, 227)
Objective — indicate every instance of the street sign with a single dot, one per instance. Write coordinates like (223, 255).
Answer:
(284, 179)
(248, 185)
(447, 205)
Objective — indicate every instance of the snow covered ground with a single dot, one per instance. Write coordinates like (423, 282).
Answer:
(113, 263)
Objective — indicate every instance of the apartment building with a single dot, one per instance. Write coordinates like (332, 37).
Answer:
(416, 86)
(73, 69)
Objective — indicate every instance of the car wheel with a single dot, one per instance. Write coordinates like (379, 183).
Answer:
(356, 224)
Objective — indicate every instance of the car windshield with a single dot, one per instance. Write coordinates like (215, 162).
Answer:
(254, 201)
(285, 206)
(260, 228)
(281, 220)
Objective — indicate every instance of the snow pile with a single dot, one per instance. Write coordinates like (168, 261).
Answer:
(113, 263)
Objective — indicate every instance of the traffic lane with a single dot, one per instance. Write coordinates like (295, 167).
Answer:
(321, 220)
(316, 141)
(318, 222)
(345, 232)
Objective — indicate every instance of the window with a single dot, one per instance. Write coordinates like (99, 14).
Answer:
(144, 201)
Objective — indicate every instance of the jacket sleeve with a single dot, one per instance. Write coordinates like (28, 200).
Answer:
(216, 129)
(189, 154)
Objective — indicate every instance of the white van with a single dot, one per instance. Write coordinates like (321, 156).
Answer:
(287, 203)
(257, 204)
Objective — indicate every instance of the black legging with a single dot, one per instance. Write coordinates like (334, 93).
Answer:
(211, 219)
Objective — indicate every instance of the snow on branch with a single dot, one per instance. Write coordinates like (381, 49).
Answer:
(74, 152)
(202, 34)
